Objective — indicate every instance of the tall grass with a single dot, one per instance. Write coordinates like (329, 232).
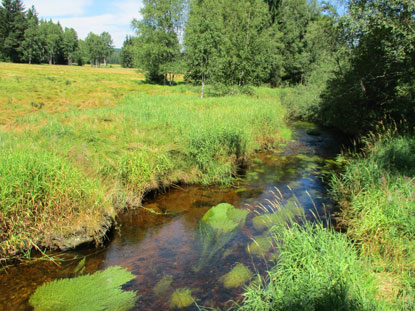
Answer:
(44, 199)
(316, 269)
(148, 140)
(376, 193)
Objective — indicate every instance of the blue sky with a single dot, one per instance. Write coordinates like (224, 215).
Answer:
(91, 15)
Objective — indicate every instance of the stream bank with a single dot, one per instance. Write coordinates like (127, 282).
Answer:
(159, 241)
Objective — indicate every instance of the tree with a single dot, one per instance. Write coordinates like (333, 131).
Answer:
(53, 38)
(12, 28)
(69, 44)
(203, 38)
(81, 55)
(106, 46)
(247, 42)
(228, 43)
(129, 52)
(379, 79)
(293, 19)
(95, 48)
(31, 47)
(158, 36)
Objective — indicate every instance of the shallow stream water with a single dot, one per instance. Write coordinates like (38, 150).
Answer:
(159, 241)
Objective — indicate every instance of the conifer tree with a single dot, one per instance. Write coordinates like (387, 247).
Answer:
(32, 45)
(12, 28)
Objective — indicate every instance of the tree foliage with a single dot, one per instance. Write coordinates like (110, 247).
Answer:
(25, 38)
(158, 34)
(12, 28)
(379, 79)
(128, 52)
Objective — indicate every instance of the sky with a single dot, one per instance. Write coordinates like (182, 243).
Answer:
(97, 16)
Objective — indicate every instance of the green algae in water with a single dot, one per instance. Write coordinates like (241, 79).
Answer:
(80, 268)
(260, 245)
(314, 132)
(257, 161)
(162, 286)
(241, 190)
(181, 298)
(217, 227)
(93, 292)
(279, 218)
(224, 218)
(252, 176)
(238, 276)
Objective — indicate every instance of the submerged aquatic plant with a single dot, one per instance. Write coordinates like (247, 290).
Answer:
(181, 298)
(260, 245)
(93, 292)
(217, 227)
(163, 285)
(238, 276)
(279, 216)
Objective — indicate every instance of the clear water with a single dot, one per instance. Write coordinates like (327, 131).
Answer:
(161, 239)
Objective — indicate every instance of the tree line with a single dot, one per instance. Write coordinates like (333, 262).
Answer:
(361, 63)
(26, 38)
(231, 44)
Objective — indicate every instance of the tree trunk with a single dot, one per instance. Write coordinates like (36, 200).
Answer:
(203, 87)
(105, 62)
(164, 78)
(50, 60)
(30, 60)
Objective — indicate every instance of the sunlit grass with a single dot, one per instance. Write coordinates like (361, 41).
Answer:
(316, 269)
(376, 193)
(147, 138)
(32, 89)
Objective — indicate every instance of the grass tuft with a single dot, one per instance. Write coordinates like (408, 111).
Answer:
(317, 269)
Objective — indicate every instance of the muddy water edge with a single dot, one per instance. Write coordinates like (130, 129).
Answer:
(160, 242)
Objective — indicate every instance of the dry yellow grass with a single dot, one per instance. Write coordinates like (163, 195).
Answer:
(27, 89)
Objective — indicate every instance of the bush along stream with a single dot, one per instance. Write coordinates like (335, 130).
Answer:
(200, 246)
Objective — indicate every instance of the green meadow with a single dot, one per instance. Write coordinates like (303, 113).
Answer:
(67, 169)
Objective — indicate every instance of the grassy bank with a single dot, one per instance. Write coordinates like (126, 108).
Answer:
(65, 170)
(376, 194)
(316, 269)
(372, 265)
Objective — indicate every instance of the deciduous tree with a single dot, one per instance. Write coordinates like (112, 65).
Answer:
(69, 44)
(158, 36)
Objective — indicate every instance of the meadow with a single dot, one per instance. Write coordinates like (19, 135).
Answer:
(80, 144)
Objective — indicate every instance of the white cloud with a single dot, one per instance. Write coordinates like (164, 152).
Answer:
(117, 21)
(50, 8)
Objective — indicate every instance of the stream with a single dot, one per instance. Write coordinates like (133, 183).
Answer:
(158, 243)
